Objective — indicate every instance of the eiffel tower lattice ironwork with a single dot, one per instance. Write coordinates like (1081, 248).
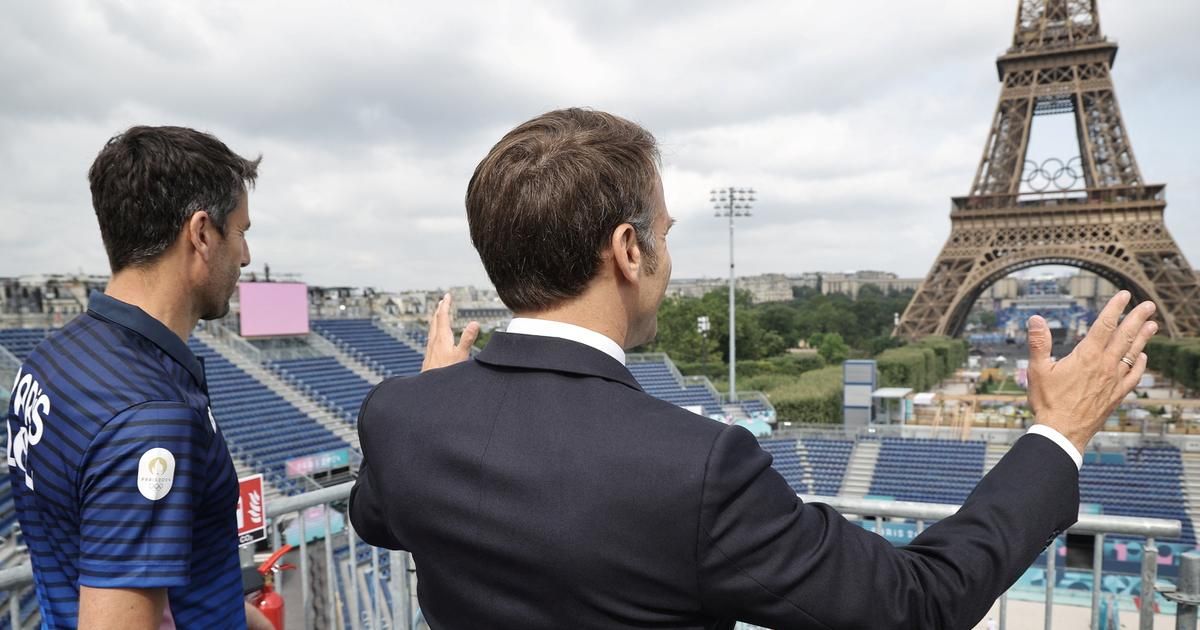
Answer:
(1093, 211)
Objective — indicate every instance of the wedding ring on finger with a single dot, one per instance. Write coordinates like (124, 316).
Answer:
(1127, 361)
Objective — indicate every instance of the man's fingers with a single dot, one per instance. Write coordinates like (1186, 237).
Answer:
(1106, 324)
(1134, 376)
(435, 329)
(440, 349)
(469, 335)
(1040, 342)
(1140, 339)
(1122, 342)
(441, 317)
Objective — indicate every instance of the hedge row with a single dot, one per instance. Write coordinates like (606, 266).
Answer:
(1177, 359)
(789, 365)
(815, 397)
(803, 391)
(921, 365)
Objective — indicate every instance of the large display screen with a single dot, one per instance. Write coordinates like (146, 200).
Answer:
(273, 308)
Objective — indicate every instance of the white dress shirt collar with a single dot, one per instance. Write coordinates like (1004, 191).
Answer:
(571, 332)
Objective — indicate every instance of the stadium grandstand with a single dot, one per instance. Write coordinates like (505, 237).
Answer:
(288, 405)
(1067, 316)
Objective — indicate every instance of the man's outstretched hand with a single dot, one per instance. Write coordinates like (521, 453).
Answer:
(440, 349)
(1077, 394)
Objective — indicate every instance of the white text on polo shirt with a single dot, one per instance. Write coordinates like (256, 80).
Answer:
(30, 406)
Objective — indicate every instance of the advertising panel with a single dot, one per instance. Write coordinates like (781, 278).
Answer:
(273, 308)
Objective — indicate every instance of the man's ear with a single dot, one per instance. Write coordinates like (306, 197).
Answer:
(201, 233)
(626, 255)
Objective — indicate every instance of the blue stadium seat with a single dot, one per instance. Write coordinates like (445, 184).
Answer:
(259, 425)
(828, 459)
(366, 342)
(753, 406)
(326, 381)
(21, 341)
(786, 461)
(825, 463)
(657, 379)
(1148, 484)
(935, 471)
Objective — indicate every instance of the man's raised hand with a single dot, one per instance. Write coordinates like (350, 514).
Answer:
(1077, 394)
(440, 349)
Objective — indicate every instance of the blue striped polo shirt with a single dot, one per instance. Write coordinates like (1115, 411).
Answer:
(120, 476)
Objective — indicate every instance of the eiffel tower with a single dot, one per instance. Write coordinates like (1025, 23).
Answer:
(1092, 211)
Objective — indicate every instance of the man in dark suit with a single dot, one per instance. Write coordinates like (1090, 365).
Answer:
(538, 486)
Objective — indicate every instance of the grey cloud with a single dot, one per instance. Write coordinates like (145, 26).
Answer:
(857, 121)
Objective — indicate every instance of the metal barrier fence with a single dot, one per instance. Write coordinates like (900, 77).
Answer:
(1089, 524)
(377, 614)
(400, 614)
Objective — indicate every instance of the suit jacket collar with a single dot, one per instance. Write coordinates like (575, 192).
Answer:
(533, 352)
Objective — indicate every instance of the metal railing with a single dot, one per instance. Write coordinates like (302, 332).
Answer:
(1088, 524)
(9, 366)
(748, 395)
(400, 614)
(1076, 197)
(376, 615)
(232, 340)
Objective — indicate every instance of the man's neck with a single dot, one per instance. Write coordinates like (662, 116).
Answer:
(158, 294)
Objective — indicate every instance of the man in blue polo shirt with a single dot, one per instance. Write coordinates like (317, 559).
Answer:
(123, 484)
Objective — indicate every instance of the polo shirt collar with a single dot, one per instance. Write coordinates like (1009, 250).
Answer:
(120, 313)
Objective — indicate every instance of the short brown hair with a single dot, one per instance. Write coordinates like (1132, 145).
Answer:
(148, 182)
(545, 200)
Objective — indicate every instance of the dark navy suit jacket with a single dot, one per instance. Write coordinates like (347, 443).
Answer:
(538, 486)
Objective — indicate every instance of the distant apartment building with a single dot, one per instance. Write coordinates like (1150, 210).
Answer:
(806, 280)
(851, 283)
(1000, 294)
(411, 309)
(337, 302)
(479, 304)
(1084, 288)
(1086, 285)
(694, 287)
(46, 300)
(768, 287)
(776, 287)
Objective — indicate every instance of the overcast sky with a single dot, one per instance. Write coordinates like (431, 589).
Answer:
(855, 121)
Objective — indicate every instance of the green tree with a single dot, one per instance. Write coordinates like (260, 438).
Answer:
(783, 320)
(830, 346)
(768, 330)
(679, 336)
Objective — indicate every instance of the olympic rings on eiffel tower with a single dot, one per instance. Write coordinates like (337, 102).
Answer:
(1052, 173)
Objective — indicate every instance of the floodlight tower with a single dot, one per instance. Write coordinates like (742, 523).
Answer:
(732, 203)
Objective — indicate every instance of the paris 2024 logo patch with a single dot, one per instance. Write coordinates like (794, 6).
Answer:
(156, 473)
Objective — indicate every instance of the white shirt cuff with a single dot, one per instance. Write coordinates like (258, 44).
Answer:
(1060, 440)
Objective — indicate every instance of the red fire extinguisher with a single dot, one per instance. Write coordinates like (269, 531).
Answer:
(269, 601)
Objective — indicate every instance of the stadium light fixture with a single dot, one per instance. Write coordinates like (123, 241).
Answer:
(733, 203)
(703, 326)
